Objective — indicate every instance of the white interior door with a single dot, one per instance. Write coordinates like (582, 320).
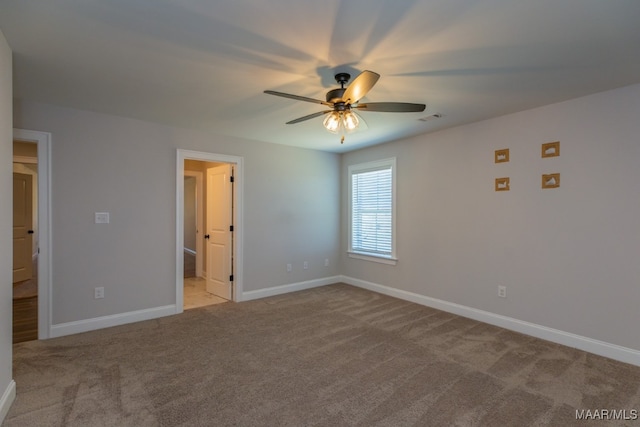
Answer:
(219, 237)
(22, 232)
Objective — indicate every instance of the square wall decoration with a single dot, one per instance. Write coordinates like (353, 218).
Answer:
(551, 180)
(551, 149)
(501, 156)
(502, 184)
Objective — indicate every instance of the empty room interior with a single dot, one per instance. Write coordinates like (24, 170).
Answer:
(352, 212)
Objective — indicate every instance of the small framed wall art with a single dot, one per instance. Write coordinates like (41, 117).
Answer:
(551, 180)
(501, 156)
(502, 184)
(551, 149)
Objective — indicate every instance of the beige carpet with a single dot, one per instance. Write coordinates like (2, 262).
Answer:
(331, 356)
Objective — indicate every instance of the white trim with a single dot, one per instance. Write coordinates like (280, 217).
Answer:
(25, 159)
(292, 287)
(189, 251)
(601, 348)
(238, 221)
(95, 323)
(373, 258)
(199, 176)
(7, 399)
(45, 281)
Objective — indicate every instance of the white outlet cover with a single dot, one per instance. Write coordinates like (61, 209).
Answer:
(102, 217)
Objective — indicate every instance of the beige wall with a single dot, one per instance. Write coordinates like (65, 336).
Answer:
(291, 198)
(6, 221)
(568, 256)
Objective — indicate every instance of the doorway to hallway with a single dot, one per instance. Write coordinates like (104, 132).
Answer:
(208, 232)
(25, 241)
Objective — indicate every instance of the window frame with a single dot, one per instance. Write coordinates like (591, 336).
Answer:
(358, 168)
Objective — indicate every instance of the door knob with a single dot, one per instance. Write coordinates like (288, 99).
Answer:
(206, 236)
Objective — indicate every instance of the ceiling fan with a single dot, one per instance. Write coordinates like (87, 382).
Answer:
(344, 100)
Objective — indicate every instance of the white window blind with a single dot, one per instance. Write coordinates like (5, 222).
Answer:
(372, 209)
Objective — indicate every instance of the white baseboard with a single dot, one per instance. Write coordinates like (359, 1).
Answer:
(86, 325)
(601, 348)
(7, 399)
(292, 287)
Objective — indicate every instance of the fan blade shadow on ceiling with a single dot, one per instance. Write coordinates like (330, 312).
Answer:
(328, 74)
(352, 34)
(470, 72)
(486, 61)
(206, 37)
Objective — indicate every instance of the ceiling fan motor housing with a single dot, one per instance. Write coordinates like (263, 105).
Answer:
(335, 95)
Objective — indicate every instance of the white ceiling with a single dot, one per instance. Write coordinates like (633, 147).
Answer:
(204, 64)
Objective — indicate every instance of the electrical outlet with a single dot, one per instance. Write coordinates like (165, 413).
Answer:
(102, 217)
(326, 262)
(289, 268)
(502, 291)
(98, 292)
(305, 265)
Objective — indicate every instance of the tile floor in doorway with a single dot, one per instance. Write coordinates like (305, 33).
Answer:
(195, 294)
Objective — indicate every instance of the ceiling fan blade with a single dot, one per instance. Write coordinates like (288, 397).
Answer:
(391, 107)
(310, 116)
(360, 86)
(298, 97)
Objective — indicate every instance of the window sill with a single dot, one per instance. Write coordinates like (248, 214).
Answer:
(373, 258)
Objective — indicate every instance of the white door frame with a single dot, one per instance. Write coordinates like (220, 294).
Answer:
(199, 218)
(43, 140)
(238, 229)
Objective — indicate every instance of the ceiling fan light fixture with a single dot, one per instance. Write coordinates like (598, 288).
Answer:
(350, 120)
(338, 120)
(332, 122)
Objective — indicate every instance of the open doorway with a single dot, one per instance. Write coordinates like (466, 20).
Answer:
(25, 241)
(208, 236)
(209, 244)
(41, 237)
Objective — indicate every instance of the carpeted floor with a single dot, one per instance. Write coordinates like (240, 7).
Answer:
(330, 356)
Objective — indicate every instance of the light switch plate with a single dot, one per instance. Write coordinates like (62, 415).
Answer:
(102, 217)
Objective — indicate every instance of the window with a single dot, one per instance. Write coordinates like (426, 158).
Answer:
(372, 211)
